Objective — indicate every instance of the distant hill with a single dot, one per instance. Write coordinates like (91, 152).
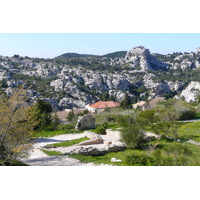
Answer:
(76, 55)
(117, 54)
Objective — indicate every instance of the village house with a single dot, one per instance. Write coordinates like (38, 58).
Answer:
(101, 106)
(62, 115)
(140, 105)
(153, 102)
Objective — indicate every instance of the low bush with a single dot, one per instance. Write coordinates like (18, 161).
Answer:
(171, 155)
(146, 118)
(121, 119)
(13, 163)
(101, 130)
(132, 136)
(65, 126)
(185, 110)
(182, 109)
(166, 129)
(139, 159)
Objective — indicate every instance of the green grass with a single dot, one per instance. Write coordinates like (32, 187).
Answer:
(197, 115)
(190, 130)
(194, 159)
(51, 153)
(114, 126)
(48, 133)
(105, 159)
(68, 142)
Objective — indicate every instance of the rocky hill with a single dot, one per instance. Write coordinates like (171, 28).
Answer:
(74, 81)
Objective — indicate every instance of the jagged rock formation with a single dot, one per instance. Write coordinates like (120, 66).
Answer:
(78, 81)
(157, 89)
(140, 58)
(191, 92)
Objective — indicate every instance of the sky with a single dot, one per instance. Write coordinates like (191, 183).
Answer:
(50, 45)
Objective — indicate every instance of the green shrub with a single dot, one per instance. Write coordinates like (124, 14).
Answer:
(65, 126)
(198, 108)
(182, 109)
(146, 118)
(101, 130)
(126, 102)
(44, 110)
(13, 163)
(167, 129)
(132, 136)
(166, 114)
(71, 116)
(124, 119)
(185, 110)
(139, 159)
(174, 154)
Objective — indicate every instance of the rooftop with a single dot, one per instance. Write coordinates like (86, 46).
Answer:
(141, 103)
(154, 101)
(63, 114)
(105, 104)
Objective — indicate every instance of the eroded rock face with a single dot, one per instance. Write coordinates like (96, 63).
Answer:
(156, 89)
(137, 51)
(186, 64)
(141, 59)
(191, 92)
(85, 122)
(4, 75)
(138, 57)
(175, 86)
(58, 84)
(76, 86)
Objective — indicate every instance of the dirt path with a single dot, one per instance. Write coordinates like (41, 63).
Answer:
(38, 158)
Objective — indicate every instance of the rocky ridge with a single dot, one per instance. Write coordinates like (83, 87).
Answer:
(75, 82)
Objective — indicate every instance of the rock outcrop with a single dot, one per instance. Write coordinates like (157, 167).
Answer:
(94, 151)
(156, 89)
(141, 59)
(85, 122)
(191, 92)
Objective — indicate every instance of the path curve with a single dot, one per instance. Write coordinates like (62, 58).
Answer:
(38, 158)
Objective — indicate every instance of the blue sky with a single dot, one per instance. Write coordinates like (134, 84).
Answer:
(50, 45)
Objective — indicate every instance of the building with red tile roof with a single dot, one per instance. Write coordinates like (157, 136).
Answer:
(101, 105)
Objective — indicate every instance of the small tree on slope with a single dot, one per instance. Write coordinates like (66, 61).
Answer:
(17, 120)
